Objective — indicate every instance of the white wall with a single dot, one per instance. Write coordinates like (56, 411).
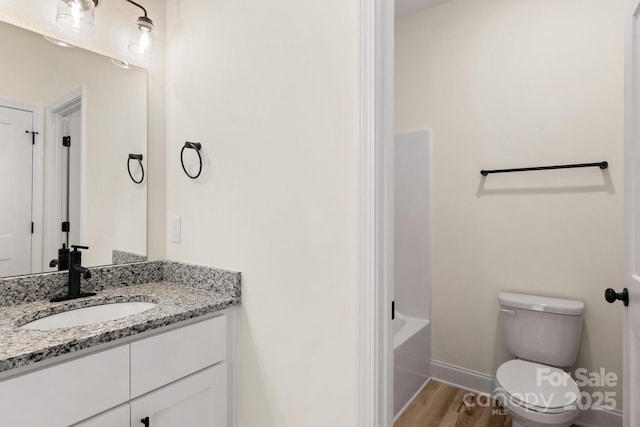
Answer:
(412, 219)
(269, 90)
(503, 84)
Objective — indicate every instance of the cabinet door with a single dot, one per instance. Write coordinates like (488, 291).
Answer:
(116, 417)
(199, 400)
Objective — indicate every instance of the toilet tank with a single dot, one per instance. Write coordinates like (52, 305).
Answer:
(541, 329)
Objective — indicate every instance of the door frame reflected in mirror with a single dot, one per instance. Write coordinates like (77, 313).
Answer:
(65, 172)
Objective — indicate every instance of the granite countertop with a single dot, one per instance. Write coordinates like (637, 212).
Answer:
(176, 301)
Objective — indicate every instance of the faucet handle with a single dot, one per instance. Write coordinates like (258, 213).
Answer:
(76, 247)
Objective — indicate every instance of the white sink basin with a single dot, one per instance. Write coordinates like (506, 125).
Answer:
(89, 315)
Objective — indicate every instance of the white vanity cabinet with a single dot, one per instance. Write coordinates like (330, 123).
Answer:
(175, 378)
(200, 400)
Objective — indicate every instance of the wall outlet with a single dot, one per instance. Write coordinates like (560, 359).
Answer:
(176, 229)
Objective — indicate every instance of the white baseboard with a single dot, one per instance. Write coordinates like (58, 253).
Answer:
(483, 383)
(404, 408)
(462, 378)
(600, 418)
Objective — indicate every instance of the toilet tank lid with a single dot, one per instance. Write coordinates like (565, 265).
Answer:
(538, 303)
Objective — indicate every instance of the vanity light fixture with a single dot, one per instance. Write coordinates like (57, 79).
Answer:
(79, 15)
(142, 36)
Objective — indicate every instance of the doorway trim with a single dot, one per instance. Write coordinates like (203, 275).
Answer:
(72, 101)
(374, 364)
(631, 107)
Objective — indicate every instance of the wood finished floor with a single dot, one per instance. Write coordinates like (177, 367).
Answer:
(443, 405)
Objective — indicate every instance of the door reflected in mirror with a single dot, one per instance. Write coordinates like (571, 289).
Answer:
(69, 120)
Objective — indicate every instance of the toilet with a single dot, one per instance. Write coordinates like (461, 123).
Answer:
(544, 335)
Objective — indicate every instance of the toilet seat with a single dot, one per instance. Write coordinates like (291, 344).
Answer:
(537, 387)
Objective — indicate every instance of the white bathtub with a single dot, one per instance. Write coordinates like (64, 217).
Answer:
(412, 268)
(412, 354)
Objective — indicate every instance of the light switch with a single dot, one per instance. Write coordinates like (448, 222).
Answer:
(176, 229)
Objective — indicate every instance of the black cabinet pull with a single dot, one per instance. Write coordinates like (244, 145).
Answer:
(612, 296)
(145, 421)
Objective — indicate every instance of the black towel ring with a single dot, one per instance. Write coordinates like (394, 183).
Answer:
(196, 146)
(137, 157)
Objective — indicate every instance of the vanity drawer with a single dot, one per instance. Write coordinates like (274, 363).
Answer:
(169, 356)
(67, 393)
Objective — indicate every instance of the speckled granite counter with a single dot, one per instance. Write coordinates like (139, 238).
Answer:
(182, 292)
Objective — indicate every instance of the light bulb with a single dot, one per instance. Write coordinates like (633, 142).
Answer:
(77, 15)
(142, 38)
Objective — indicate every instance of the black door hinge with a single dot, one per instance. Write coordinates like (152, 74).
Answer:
(66, 141)
(33, 136)
(66, 226)
(393, 310)
(32, 227)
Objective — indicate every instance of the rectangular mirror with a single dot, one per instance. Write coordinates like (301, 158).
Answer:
(73, 139)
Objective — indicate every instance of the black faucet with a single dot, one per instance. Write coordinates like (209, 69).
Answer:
(62, 262)
(76, 271)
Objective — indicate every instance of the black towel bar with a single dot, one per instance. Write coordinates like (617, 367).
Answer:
(601, 165)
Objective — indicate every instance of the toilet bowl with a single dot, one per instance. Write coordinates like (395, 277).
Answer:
(544, 333)
(536, 395)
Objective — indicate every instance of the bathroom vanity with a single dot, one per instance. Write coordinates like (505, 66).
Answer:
(176, 375)
(169, 365)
